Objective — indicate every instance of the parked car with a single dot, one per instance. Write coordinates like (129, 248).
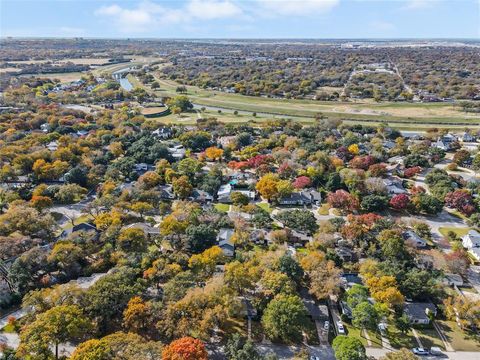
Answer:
(314, 357)
(436, 351)
(326, 325)
(341, 329)
(420, 351)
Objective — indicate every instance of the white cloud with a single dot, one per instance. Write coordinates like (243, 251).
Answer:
(148, 14)
(418, 4)
(212, 9)
(296, 7)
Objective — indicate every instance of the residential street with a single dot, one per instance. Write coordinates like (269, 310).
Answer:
(453, 355)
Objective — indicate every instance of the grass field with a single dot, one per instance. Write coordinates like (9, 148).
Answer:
(406, 113)
(222, 207)
(376, 340)
(458, 231)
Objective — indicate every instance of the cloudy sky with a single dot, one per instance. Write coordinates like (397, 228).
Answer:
(241, 18)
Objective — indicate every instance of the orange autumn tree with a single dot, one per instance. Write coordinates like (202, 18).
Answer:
(214, 153)
(186, 348)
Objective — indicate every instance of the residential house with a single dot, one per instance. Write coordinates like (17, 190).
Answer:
(471, 242)
(45, 127)
(84, 226)
(419, 312)
(225, 141)
(317, 312)
(177, 151)
(389, 144)
(259, 237)
(163, 133)
(166, 192)
(467, 137)
(453, 280)
(52, 146)
(200, 196)
(223, 194)
(346, 310)
(295, 198)
(413, 239)
(394, 186)
(349, 279)
(345, 253)
(147, 229)
(445, 142)
(143, 168)
(302, 198)
(224, 241)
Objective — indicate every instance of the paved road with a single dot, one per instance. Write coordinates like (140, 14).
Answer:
(288, 352)
(455, 355)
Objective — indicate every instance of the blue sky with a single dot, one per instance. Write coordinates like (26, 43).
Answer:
(241, 18)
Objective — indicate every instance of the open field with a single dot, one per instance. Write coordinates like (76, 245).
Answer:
(436, 113)
(405, 116)
(63, 77)
(77, 61)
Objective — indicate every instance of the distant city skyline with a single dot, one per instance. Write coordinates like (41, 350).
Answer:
(321, 19)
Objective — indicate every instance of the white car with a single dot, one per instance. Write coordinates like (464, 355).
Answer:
(326, 326)
(420, 351)
(341, 329)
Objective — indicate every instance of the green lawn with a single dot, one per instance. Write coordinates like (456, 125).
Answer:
(375, 337)
(460, 340)
(429, 338)
(458, 231)
(398, 339)
(357, 333)
(9, 328)
(265, 206)
(222, 207)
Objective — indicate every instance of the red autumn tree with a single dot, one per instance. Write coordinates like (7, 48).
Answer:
(343, 200)
(411, 172)
(362, 162)
(238, 165)
(377, 170)
(400, 201)
(258, 160)
(301, 182)
(186, 348)
(461, 200)
(359, 225)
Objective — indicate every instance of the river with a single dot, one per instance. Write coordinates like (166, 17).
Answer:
(125, 84)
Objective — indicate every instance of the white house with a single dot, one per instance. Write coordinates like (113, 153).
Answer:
(471, 242)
